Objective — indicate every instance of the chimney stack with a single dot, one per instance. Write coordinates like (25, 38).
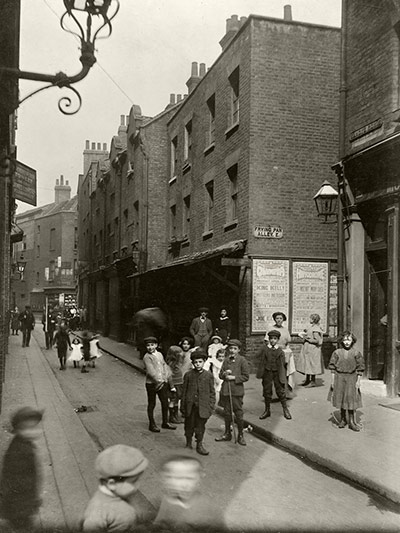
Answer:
(232, 27)
(92, 154)
(287, 12)
(62, 193)
(194, 77)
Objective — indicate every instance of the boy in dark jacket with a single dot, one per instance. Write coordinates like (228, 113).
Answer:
(234, 371)
(21, 474)
(271, 369)
(198, 400)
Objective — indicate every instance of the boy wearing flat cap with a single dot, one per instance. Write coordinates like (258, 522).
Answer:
(234, 372)
(119, 469)
(271, 369)
(158, 383)
(20, 480)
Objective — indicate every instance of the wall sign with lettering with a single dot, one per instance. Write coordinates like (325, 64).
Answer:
(268, 232)
(270, 291)
(310, 294)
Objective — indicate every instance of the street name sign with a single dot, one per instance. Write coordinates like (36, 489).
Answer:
(24, 184)
(235, 261)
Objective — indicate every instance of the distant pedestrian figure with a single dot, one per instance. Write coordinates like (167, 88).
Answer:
(15, 323)
(111, 509)
(201, 329)
(49, 327)
(223, 326)
(347, 365)
(86, 339)
(27, 321)
(234, 372)
(20, 481)
(271, 369)
(310, 359)
(158, 383)
(198, 400)
(183, 507)
(61, 339)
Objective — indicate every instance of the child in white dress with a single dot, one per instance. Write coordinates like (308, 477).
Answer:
(76, 354)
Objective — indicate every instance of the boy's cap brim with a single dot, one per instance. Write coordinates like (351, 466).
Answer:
(274, 333)
(147, 340)
(120, 461)
(24, 414)
(234, 342)
(203, 309)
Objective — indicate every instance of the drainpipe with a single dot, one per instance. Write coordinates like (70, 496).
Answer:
(143, 246)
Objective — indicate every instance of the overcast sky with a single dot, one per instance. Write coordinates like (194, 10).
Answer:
(147, 57)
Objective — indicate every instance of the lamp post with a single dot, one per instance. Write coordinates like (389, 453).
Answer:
(90, 17)
(329, 205)
(21, 264)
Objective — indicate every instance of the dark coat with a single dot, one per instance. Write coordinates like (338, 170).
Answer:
(195, 326)
(206, 392)
(240, 369)
(27, 320)
(264, 362)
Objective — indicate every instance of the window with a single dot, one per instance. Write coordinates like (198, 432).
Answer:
(136, 220)
(24, 242)
(53, 239)
(232, 203)
(75, 238)
(38, 250)
(172, 221)
(186, 215)
(37, 278)
(52, 269)
(234, 83)
(38, 230)
(211, 118)
(188, 141)
(209, 205)
(174, 156)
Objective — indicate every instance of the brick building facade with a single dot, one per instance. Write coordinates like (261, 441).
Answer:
(370, 165)
(49, 248)
(248, 149)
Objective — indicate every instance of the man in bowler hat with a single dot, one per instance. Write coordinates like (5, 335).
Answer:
(201, 329)
(27, 324)
(234, 372)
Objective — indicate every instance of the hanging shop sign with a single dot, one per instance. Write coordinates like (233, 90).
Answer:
(24, 184)
(268, 232)
(270, 284)
(310, 291)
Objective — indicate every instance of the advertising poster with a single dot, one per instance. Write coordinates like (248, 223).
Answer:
(310, 294)
(270, 291)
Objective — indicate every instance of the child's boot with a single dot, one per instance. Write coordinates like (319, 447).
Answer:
(189, 443)
(352, 424)
(286, 412)
(172, 416)
(200, 448)
(343, 420)
(267, 411)
(307, 381)
(240, 439)
(227, 435)
(177, 416)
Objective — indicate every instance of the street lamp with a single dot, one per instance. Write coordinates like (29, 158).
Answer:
(326, 201)
(21, 264)
(90, 17)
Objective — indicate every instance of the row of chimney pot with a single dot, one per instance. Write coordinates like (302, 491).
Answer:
(104, 149)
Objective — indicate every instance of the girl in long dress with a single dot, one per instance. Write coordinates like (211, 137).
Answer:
(347, 365)
(310, 360)
(223, 326)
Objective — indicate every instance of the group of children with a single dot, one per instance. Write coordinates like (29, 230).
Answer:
(113, 507)
(84, 348)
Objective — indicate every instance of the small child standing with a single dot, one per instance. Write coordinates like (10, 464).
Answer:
(61, 338)
(216, 344)
(157, 383)
(21, 474)
(271, 369)
(183, 507)
(76, 354)
(119, 469)
(174, 360)
(214, 364)
(186, 343)
(347, 365)
(198, 400)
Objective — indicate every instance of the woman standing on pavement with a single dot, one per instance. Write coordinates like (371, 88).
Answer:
(61, 338)
(310, 360)
(223, 326)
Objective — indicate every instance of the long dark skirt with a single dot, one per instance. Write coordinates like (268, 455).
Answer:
(345, 395)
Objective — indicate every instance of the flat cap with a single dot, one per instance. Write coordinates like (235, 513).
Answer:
(198, 353)
(120, 461)
(150, 339)
(234, 342)
(274, 333)
(203, 309)
(24, 414)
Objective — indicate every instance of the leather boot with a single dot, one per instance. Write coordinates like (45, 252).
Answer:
(167, 425)
(172, 416)
(240, 439)
(343, 421)
(189, 443)
(286, 412)
(200, 448)
(352, 424)
(177, 416)
(266, 413)
(227, 436)
(307, 381)
(153, 427)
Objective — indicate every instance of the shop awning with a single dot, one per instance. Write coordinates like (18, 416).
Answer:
(186, 260)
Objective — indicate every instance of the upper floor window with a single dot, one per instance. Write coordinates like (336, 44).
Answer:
(234, 88)
(211, 120)
(233, 193)
(174, 156)
(38, 250)
(209, 206)
(38, 230)
(136, 220)
(75, 238)
(186, 215)
(24, 242)
(172, 221)
(188, 141)
(53, 239)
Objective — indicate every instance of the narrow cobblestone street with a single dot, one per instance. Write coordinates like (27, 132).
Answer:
(258, 486)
